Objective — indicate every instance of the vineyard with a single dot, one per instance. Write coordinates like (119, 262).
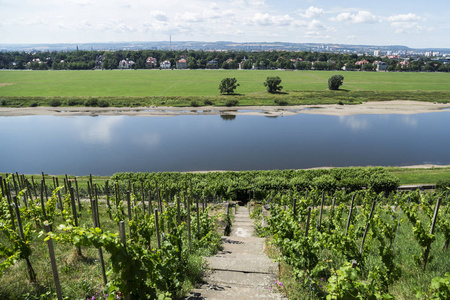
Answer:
(359, 245)
(343, 233)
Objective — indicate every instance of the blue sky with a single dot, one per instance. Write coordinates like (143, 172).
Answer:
(417, 24)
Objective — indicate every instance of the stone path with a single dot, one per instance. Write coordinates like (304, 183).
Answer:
(242, 270)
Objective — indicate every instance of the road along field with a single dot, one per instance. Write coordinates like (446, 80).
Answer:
(194, 87)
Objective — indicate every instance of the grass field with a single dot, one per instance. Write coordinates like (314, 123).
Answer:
(181, 87)
(143, 83)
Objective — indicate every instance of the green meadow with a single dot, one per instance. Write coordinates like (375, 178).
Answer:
(181, 87)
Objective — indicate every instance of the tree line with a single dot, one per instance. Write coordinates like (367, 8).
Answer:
(302, 60)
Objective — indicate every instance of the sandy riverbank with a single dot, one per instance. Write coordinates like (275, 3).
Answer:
(385, 107)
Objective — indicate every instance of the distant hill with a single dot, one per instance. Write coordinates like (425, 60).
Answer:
(220, 45)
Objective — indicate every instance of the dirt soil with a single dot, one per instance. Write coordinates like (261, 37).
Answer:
(384, 107)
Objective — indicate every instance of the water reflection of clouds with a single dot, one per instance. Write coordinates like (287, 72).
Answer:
(354, 122)
(149, 139)
(97, 130)
(409, 121)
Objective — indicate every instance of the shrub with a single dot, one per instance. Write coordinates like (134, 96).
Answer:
(194, 103)
(55, 102)
(443, 184)
(34, 104)
(3, 102)
(335, 81)
(91, 102)
(281, 102)
(273, 84)
(103, 103)
(208, 102)
(72, 102)
(231, 102)
(228, 85)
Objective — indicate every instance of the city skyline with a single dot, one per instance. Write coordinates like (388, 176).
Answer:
(315, 21)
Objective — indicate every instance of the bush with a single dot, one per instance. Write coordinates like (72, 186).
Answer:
(208, 102)
(231, 102)
(55, 102)
(34, 104)
(194, 103)
(335, 81)
(72, 102)
(91, 102)
(281, 102)
(443, 184)
(3, 102)
(103, 103)
(273, 84)
(228, 85)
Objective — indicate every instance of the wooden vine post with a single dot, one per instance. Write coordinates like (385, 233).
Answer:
(367, 227)
(294, 206)
(189, 222)
(198, 220)
(307, 222)
(123, 239)
(53, 262)
(158, 236)
(42, 200)
(350, 215)
(108, 204)
(433, 224)
(74, 213)
(22, 236)
(6, 192)
(321, 210)
(96, 221)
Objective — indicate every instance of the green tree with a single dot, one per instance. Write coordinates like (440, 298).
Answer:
(335, 81)
(228, 85)
(273, 84)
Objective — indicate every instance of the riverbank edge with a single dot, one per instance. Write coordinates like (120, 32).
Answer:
(376, 107)
(407, 174)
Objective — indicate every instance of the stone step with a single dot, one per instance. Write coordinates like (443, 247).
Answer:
(254, 263)
(228, 292)
(220, 277)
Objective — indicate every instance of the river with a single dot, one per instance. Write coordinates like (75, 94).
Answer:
(103, 145)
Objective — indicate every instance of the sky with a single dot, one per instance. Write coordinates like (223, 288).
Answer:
(416, 24)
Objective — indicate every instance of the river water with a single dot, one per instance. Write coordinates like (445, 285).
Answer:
(103, 145)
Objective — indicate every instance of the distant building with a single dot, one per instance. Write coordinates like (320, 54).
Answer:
(126, 64)
(98, 62)
(165, 64)
(151, 63)
(376, 53)
(381, 66)
(404, 63)
(212, 64)
(241, 64)
(182, 63)
(362, 62)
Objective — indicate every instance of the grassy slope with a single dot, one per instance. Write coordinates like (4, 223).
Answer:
(406, 176)
(144, 83)
(420, 176)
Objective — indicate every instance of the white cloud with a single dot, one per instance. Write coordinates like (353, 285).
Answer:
(159, 15)
(405, 23)
(256, 2)
(316, 25)
(268, 20)
(189, 17)
(405, 18)
(312, 12)
(405, 27)
(362, 16)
